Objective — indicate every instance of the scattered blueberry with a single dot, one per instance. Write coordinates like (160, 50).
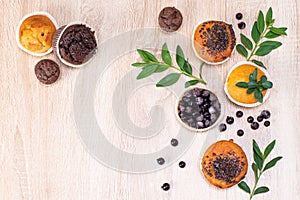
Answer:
(250, 119)
(254, 125)
(260, 118)
(229, 120)
(165, 186)
(174, 142)
(239, 16)
(240, 132)
(182, 164)
(239, 114)
(222, 127)
(241, 25)
(160, 161)
(266, 114)
(267, 123)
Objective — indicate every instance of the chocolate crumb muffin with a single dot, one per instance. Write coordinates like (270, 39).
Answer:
(77, 44)
(170, 19)
(47, 71)
(224, 164)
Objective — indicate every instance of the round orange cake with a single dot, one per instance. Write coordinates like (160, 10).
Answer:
(214, 41)
(241, 74)
(224, 164)
(36, 33)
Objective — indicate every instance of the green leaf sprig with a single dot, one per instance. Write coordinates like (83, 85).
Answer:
(151, 65)
(262, 29)
(259, 167)
(255, 86)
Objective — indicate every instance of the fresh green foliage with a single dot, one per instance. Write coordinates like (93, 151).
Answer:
(151, 65)
(255, 86)
(263, 28)
(258, 168)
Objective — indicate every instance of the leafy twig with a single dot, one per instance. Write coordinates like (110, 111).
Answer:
(152, 65)
(259, 168)
(256, 86)
(262, 28)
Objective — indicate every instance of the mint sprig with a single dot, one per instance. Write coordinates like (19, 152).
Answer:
(151, 65)
(263, 28)
(258, 168)
(255, 86)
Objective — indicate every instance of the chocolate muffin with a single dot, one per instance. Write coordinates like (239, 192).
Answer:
(47, 71)
(170, 19)
(77, 44)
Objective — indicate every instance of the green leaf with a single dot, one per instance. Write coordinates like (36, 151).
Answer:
(139, 64)
(161, 68)
(147, 71)
(271, 35)
(168, 80)
(246, 42)
(147, 56)
(253, 76)
(259, 63)
(272, 163)
(264, 50)
(256, 148)
(242, 84)
(180, 57)
(254, 33)
(274, 44)
(242, 50)
(260, 190)
(269, 148)
(165, 54)
(190, 83)
(258, 95)
(252, 85)
(255, 170)
(269, 16)
(187, 68)
(250, 90)
(267, 85)
(263, 79)
(260, 22)
(243, 185)
(279, 31)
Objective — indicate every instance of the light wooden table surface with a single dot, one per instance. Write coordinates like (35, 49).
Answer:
(41, 154)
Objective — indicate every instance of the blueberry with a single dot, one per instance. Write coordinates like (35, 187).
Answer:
(266, 114)
(254, 125)
(165, 186)
(260, 118)
(200, 118)
(200, 125)
(241, 25)
(181, 164)
(222, 127)
(229, 120)
(174, 142)
(250, 119)
(206, 123)
(188, 109)
(240, 132)
(239, 114)
(160, 161)
(239, 16)
(267, 123)
(205, 94)
(199, 100)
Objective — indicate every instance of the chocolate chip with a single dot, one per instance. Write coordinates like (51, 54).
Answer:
(182, 164)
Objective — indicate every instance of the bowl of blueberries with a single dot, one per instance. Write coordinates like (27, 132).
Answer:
(199, 109)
